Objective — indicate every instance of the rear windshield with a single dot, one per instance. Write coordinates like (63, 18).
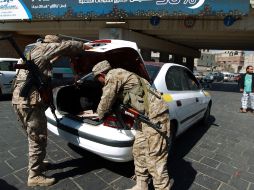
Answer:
(152, 71)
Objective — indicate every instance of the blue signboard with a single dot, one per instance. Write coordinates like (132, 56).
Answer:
(80, 9)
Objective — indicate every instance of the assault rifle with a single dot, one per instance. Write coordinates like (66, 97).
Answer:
(138, 117)
(34, 78)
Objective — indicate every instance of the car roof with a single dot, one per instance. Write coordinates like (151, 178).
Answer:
(160, 64)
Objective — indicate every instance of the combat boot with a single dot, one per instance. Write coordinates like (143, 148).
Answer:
(40, 180)
(140, 185)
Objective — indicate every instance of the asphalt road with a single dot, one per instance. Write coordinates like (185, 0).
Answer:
(218, 157)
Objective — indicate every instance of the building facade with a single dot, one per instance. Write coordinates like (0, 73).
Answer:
(230, 61)
(248, 60)
(206, 62)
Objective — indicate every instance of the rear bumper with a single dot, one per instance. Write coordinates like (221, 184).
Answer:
(113, 150)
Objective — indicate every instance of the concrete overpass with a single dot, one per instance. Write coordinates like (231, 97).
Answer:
(170, 36)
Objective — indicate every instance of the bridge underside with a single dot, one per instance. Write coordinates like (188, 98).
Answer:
(170, 36)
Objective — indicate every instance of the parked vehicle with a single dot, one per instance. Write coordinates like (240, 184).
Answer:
(218, 76)
(112, 138)
(209, 78)
(7, 74)
(199, 76)
(228, 77)
(236, 77)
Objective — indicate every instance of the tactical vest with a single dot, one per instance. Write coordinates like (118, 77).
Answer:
(138, 96)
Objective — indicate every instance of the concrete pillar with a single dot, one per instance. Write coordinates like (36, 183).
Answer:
(146, 54)
(164, 57)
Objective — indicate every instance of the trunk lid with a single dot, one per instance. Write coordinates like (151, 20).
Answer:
(119, 53)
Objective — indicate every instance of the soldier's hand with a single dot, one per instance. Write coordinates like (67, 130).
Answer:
(86, 47)
(241, 90)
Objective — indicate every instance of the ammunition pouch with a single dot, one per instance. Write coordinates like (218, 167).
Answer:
(134, 98)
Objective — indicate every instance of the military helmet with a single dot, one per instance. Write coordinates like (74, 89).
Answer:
(52, 39)
(101, 67)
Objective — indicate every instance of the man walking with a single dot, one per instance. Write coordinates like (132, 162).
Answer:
(30, 110)
(247, 87)
(150, 149)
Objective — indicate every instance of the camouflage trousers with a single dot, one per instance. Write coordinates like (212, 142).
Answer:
(150, 151)
(34, 122)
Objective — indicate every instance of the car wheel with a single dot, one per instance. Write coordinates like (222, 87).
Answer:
(205, 119)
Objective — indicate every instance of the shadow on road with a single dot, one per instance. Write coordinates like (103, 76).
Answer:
(90, 162)
(181, 171)
(5, 97)
(5, 186)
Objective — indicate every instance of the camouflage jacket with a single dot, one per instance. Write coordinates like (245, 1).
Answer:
(42, 55)
(117, 83)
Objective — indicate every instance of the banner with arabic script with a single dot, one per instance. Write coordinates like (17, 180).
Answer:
(81, 9)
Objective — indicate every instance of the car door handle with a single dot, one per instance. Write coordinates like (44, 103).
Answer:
(197, 100)
(178, 103)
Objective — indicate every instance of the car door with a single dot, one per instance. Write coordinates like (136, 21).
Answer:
(195, 91)
(7, 74)
(184, 99)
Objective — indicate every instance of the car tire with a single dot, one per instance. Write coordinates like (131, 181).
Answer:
(205, 119)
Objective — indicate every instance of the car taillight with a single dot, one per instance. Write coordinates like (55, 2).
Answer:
(101, 41)
(112, 121)
(129, 122)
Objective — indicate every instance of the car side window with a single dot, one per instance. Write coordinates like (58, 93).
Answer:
(175, 79)
(191, 80)
(7, 66)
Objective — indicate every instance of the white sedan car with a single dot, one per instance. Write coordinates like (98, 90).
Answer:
(7, 74)
(112, 138)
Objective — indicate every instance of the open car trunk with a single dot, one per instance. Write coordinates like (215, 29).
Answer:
(74, 102)
(74, 99)
(71, 100)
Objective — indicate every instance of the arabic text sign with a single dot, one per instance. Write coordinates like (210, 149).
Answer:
(78, 9)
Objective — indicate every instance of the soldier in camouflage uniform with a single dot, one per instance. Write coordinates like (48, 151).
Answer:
(150, 149)
(31, 110)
